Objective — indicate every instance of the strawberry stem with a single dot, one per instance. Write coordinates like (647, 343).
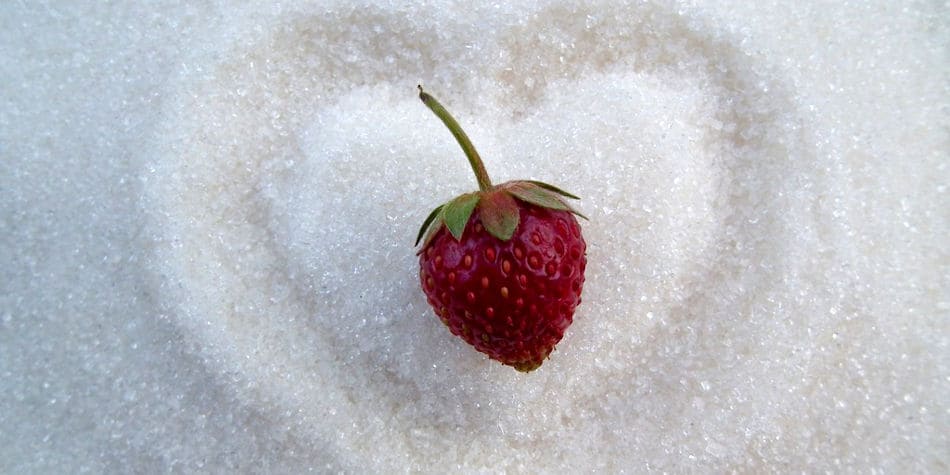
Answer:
(484, 183)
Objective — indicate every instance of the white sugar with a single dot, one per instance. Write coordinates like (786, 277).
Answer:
(209, 220)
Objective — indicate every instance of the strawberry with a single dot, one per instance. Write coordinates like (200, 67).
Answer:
(503, 267)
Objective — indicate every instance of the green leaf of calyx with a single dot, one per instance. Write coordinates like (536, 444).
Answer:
(553, 188)
(535, 194)
(427, 222)
(433, 230)
(499, 214)
(458, 211)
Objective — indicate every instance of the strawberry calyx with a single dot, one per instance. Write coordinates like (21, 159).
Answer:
(498, 209)
(496, 203)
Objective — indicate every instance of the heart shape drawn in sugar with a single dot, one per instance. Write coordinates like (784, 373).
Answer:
(297, 165)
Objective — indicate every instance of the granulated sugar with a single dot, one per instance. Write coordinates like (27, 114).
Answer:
(209, 215)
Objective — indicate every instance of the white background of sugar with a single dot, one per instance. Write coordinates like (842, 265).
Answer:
(208, 211)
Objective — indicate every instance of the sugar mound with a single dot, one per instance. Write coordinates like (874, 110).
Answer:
(767, 279)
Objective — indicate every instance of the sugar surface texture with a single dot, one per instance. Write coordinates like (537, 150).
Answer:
(208, 213)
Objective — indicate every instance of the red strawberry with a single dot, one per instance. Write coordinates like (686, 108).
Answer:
(503, 267)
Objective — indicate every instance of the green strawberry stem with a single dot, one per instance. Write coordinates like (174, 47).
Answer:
(484, 183)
